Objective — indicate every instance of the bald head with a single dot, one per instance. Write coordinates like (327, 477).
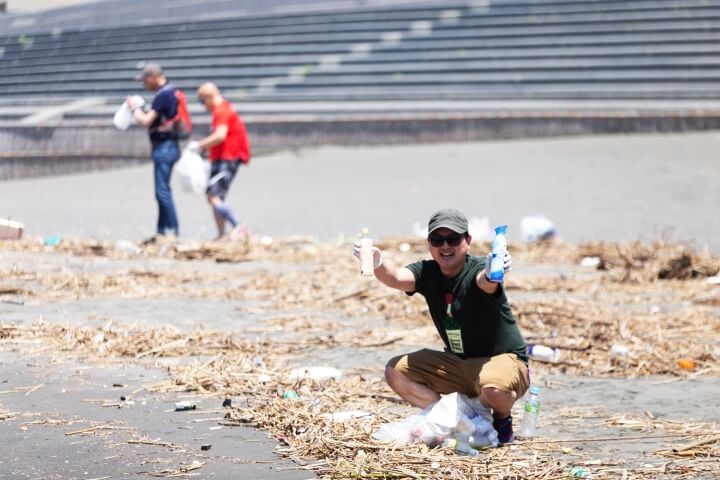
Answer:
(209, 95)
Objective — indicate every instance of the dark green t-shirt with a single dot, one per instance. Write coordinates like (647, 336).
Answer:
(487, 324)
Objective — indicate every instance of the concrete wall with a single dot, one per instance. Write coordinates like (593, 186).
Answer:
(35, 151)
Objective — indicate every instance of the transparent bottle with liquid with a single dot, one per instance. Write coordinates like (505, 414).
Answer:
(497, 254)
(367, 262)
(532, 410)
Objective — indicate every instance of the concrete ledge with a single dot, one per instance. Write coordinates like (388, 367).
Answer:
(49, 150)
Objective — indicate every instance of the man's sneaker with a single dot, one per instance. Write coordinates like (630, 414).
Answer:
(240, 231)
(504, 430)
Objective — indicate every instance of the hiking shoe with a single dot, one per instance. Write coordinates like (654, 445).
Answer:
(504, 429)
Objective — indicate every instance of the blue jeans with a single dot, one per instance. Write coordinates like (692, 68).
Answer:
(164, 156)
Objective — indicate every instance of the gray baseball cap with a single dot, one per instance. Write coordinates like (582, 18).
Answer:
(448, 218)
(149, 70)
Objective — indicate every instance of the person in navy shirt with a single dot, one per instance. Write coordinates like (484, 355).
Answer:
(164, 142)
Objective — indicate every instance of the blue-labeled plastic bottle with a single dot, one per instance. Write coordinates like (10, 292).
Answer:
(497, 259)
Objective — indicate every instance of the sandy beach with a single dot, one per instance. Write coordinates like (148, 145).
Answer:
(65, 385)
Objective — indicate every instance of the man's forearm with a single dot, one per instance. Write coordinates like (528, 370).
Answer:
(389, 275)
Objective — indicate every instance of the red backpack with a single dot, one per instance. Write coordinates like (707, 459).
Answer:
(180, 124)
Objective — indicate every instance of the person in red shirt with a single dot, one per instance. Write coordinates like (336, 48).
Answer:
(228, 148)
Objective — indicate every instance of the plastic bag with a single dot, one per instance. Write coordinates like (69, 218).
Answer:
(193, 172)
(453, 416)
(123, 117)
(536, 229)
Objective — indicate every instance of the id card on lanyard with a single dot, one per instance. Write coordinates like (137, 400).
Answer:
(452, 327)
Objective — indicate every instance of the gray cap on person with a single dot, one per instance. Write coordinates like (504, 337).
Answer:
(448, 218)
(149, 70)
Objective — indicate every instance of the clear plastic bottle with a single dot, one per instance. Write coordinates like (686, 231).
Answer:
(532, 410)
(497, 259)
(460, 447)
(541, 352)
(367, 263)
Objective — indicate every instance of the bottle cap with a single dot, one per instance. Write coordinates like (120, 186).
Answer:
(501, 229)
(535, 390)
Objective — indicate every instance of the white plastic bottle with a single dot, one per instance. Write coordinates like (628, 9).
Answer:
(497, 259)
(367, 263)
(541, 352)
(532, 410)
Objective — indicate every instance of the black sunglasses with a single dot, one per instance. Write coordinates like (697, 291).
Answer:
(453, 240)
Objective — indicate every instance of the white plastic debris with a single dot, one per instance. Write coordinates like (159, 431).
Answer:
(714, 280)
(619, 351)
(266, 240)
(314, 373)
(346, 415)
(537, 228)
(454, 416)
(404, 247)
(590, 262)
(128, 247)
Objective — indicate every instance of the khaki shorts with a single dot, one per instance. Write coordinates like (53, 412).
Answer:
(445, 372)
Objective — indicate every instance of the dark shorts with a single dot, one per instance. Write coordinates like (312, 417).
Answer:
(222, 173)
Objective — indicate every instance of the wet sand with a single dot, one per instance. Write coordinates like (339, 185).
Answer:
(593, 188)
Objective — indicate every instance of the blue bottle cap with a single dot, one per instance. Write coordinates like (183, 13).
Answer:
(535, 390)
(501, 229)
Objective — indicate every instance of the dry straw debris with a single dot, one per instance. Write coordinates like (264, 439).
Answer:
(652, 299)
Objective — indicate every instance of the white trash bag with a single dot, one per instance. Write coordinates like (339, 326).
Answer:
(193, 172)
(124, 117)
(537, 228)
(453, 416)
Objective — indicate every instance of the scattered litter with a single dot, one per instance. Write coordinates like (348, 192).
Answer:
(541, 352)
(258, 361)
(266, 240)
(619, 351)
(227, 403)
(181, 406)
(654, 309)
(453, 416)
(537, 229)
(715, 280)
(590, 262)
(314, 373)
(128, 247)
(404, 247)
(52, 241)
(291, 395)
(346, 415)
(686, 363)
(578, 472)
(205, 447)
(10, 229)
